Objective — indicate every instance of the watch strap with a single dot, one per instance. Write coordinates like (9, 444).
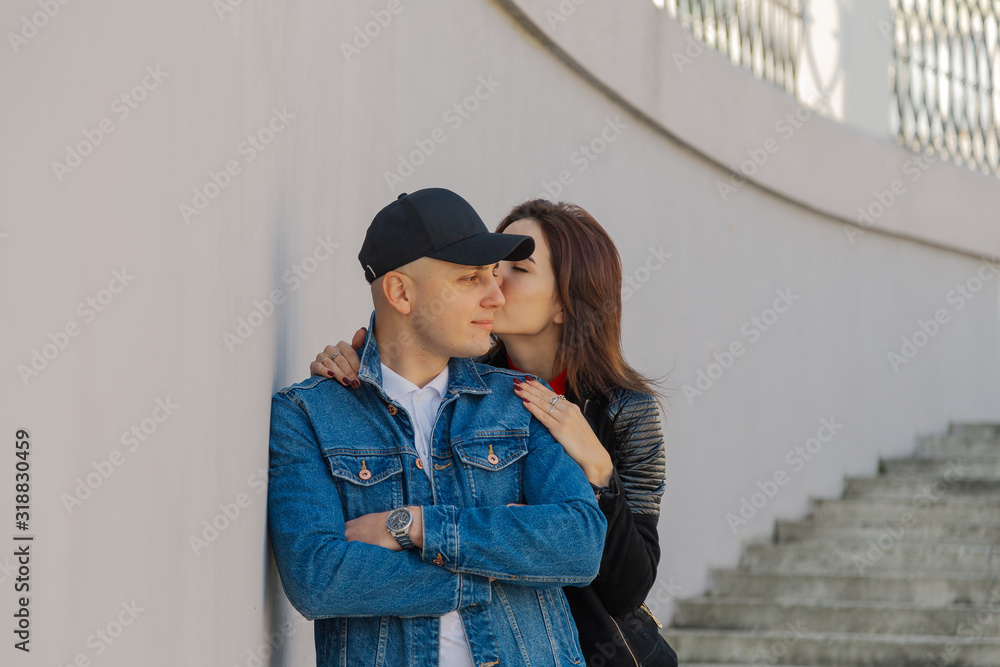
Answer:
(403, 537)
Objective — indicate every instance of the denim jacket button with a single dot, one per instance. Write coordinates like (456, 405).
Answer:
(420, 464)
(493, 459)
(439, 560)
(393, 410)
(365, 474)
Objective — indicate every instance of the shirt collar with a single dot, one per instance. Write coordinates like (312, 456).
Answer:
(397, 386)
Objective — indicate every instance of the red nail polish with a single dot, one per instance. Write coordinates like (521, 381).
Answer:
(343, 381)
(518, 380)
(526, 402)
(329, 374)
(518, 387)
(355, 383)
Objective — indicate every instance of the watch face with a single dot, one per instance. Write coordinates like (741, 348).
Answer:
(398, 519)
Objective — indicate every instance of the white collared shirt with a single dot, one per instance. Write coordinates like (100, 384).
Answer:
(422, 406)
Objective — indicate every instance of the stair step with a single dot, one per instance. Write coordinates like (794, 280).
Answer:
(983, 509)
(924, 588)
(798, 645)
(862, 530)
(836, 616)
(977, 467)
(916, 487)
(957, 446)
(903, 570)
(982, 430)
(863, 557)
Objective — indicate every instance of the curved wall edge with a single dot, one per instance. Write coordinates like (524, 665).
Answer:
(644, 60)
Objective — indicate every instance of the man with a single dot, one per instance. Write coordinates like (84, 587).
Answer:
(426, 518)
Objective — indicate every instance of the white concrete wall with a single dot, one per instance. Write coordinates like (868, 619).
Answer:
(843, 68)
(318, 183)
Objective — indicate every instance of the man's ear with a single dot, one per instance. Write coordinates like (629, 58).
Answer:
(397, 288)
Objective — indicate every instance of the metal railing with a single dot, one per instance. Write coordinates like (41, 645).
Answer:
(946, 80)
(763, 36)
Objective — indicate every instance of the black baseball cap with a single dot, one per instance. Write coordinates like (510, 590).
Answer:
(436, 223)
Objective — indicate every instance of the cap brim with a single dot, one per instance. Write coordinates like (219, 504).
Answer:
(486, 248)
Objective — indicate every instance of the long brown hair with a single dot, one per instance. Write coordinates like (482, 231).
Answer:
(588, 273)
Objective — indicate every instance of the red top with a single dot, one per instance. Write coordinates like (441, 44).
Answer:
(558, 383)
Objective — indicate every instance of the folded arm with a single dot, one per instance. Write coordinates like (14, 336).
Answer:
(555, 539)
(323, 574)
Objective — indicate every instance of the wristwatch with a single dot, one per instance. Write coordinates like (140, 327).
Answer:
(398, 524)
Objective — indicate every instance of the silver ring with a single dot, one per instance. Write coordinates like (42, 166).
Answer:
(555, 399)
(552, 409)
(335, 355)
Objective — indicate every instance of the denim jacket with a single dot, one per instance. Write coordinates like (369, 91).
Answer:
(338, 453)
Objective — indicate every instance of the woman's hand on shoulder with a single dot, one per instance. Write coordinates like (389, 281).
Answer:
(341, 361)
(569, 427)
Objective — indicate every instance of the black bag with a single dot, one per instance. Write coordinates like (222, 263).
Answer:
(641, 633)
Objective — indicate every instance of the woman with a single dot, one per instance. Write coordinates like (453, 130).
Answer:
(562, 322)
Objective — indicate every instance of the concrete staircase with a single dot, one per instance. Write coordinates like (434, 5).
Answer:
(903, 571)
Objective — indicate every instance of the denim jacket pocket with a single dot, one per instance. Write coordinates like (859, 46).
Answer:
(491, 465)
(367, 482)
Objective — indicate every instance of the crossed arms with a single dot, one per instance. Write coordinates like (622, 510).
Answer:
(554, 540)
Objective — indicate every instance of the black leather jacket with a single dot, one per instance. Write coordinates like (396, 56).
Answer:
(628, 425)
